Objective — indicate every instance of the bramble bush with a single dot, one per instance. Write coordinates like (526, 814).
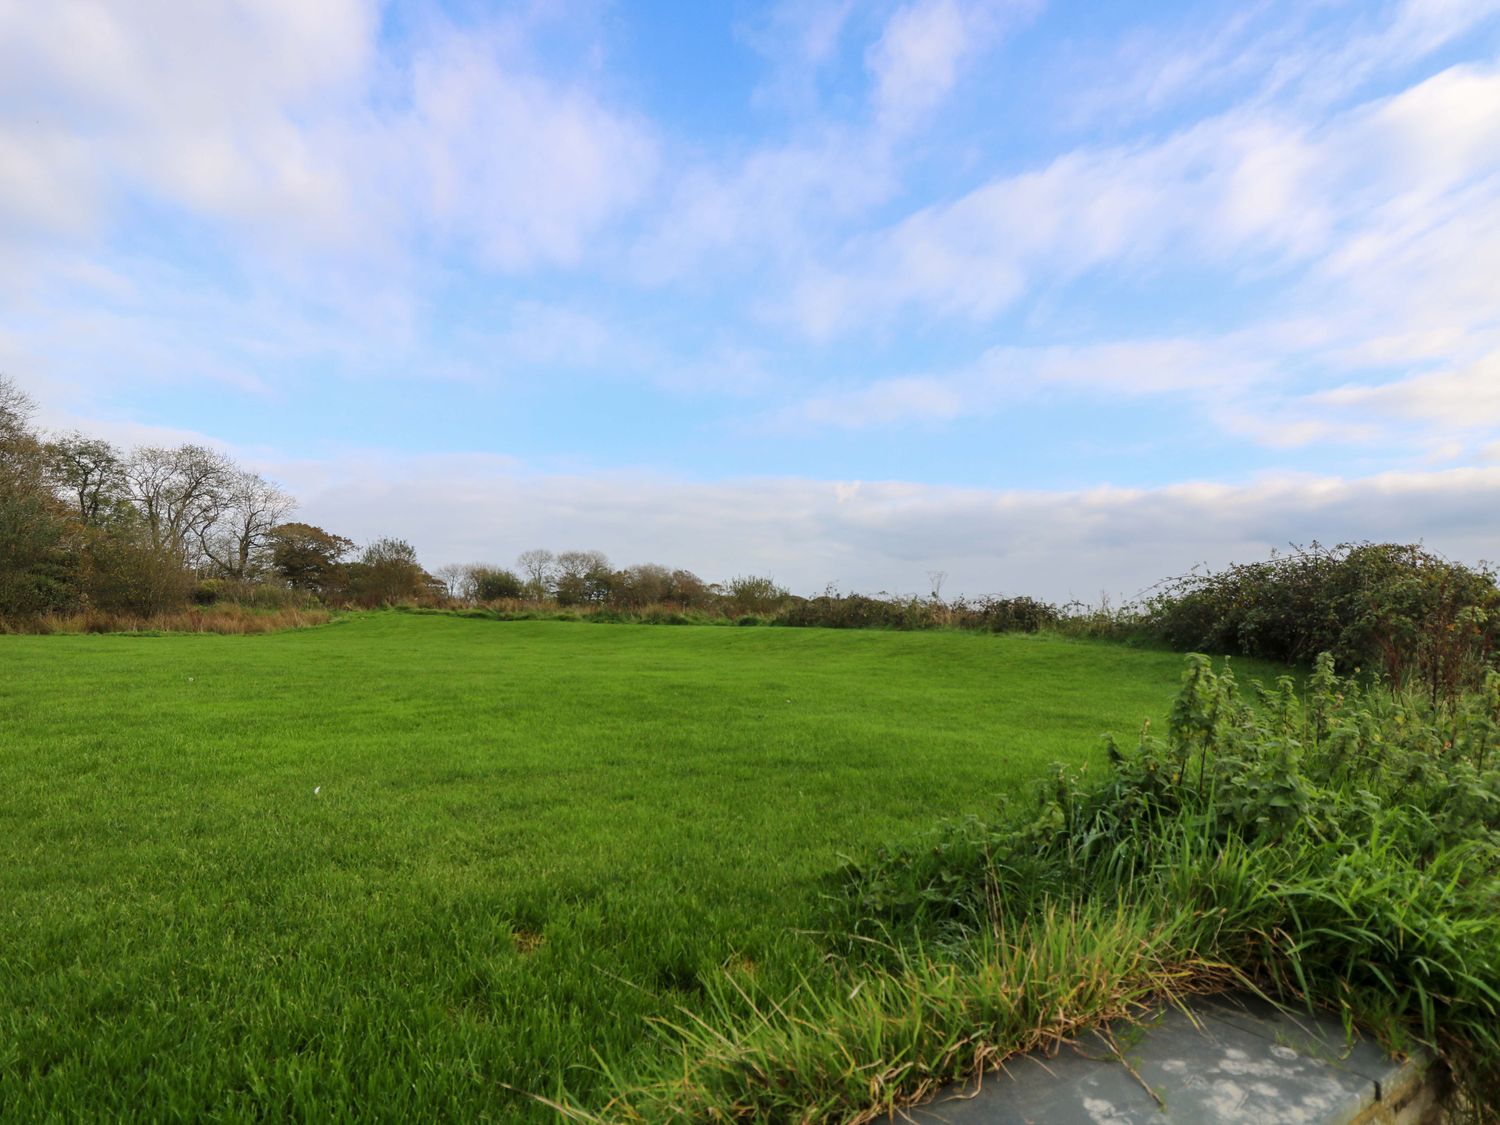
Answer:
(1398, 610)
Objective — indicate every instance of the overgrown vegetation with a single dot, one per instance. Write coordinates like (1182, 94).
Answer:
(1400, 611)
(1340, 849)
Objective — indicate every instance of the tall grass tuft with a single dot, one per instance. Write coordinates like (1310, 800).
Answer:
(873, 1043)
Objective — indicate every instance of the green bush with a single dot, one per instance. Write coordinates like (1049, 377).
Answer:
(1414, 617)
(493, 583)
(754, 594)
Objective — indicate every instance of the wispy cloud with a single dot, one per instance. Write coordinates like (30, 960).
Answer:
(924, 49)
(1241, 191)
(286, 122)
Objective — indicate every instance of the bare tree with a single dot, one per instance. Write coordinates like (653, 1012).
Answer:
(180, 493)
(16, 409)
(239, 537)
(538, 568)
(935, 579)
(458, 580)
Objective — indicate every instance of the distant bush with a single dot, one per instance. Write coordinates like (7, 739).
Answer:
(1007, 615)
(833, 610)
(494, 583)
(387, 573)
(260, 595)
(1394, 609)
(853, 611)
(753, 594)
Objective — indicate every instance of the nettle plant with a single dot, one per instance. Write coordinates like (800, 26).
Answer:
(1330, 768)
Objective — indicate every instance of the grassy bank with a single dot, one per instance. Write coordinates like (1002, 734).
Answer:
(429, 866)
(1340, 850)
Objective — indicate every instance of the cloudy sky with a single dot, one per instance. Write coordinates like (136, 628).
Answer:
(1058, 298)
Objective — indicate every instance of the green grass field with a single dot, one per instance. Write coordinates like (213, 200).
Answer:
(406, 867)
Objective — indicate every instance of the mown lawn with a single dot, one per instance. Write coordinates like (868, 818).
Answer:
(415, 867)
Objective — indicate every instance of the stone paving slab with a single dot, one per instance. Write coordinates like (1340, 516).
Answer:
(1224, 1061)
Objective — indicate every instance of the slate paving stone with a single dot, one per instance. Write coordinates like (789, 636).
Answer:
(1039, 1091)
(1233, 1061)
(1309, 1032)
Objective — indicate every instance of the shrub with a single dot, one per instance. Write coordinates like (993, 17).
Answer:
(752, 594)
(1346, 847)
(1406, 613)
(493, 583)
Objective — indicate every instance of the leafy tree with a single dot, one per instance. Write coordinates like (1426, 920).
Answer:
(387, 572)
(90, 473)
(35, 532)
(582, 577)
(646, 584)
(753, 594)
(126, 572)
(494, 583)
(309, 558)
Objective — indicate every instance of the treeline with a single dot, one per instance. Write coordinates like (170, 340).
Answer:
(88, 529)
(583, 584)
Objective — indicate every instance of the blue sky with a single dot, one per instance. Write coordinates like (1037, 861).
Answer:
(1053, 297)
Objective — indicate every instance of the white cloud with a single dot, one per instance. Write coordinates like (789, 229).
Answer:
(527, 169)
(198, 102)
(1239, 190)
(279, 119)
(1414, 30)
(1248, 384)
(1217, 190)
(799, 39)
(1383, 222)
(915, 62)
(1013, 377)
(1454, 400)
(763, 208)
(775, 204)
